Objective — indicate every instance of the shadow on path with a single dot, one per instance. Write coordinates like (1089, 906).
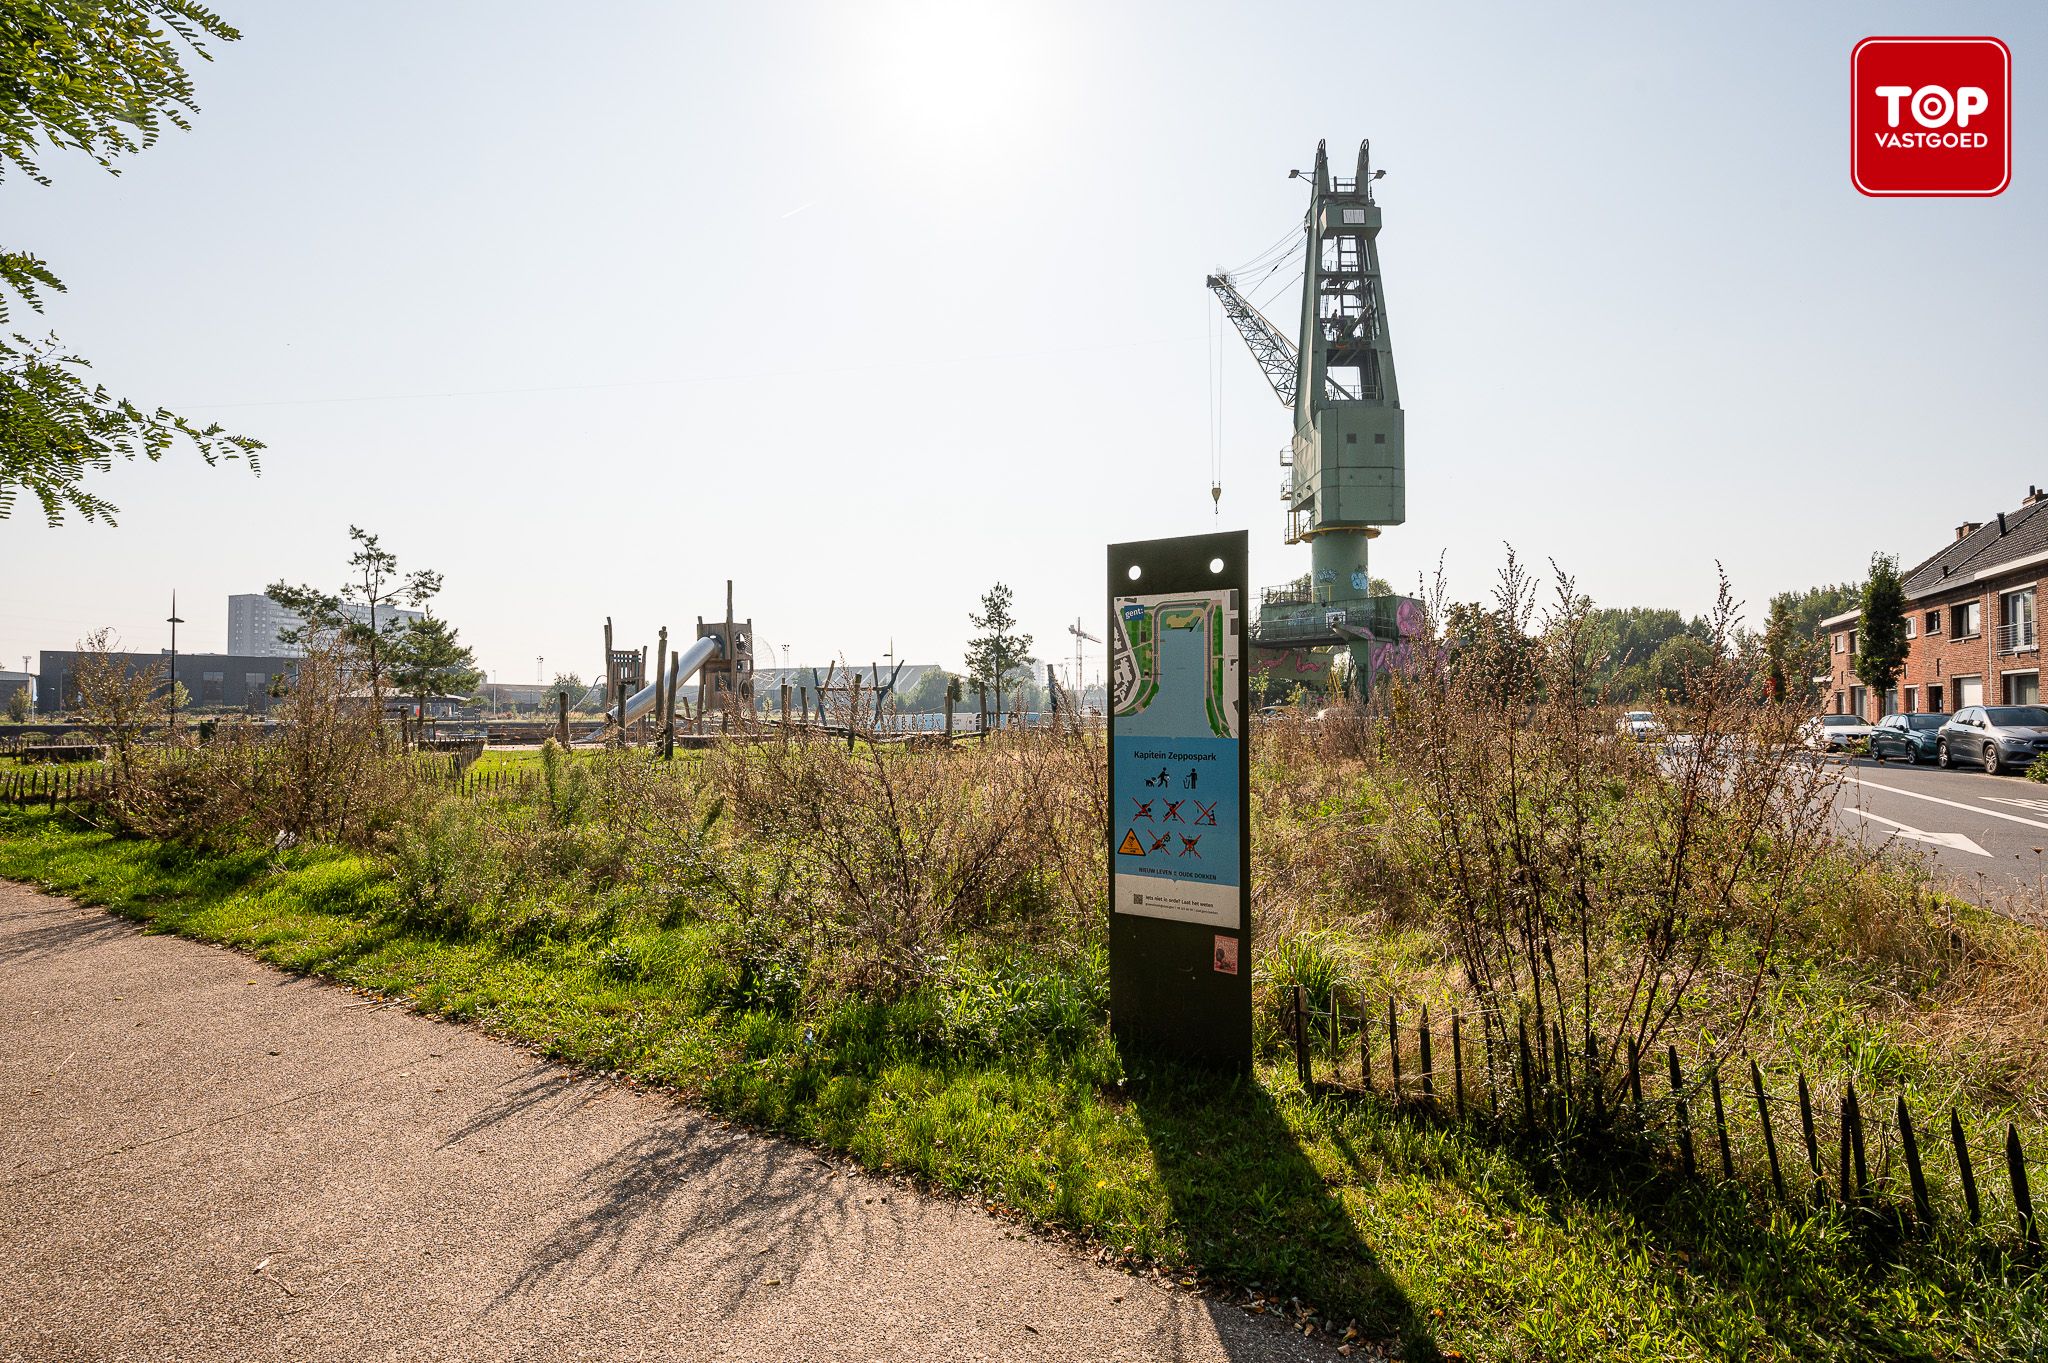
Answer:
(1254, 1208)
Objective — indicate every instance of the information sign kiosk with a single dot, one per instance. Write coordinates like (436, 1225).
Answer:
(1180, 966)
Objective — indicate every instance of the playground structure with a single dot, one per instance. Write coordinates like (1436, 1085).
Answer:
(1346, 463)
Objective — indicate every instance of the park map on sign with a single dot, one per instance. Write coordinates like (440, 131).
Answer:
(1174, 686)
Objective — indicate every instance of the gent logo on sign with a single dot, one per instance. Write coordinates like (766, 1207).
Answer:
(1931, 116)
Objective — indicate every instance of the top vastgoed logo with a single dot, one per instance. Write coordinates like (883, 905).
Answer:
(1930, 117)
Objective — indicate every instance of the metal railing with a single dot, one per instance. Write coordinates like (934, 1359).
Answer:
(2017, 638)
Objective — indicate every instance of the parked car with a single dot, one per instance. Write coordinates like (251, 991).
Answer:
(2001, 737)
(1834, 733)
(1912, 737)
(1640, 725)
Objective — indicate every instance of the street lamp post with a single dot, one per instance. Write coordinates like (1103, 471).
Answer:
(174, 621)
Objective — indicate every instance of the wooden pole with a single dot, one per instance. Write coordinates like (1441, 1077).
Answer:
(1812, 1138)
(1682, 1116)
(2016, 1170)
(1763, 1116)
(660, 682)
(562, 717)
(1301, 1069)
(1721, 1126)
(1911, 1148)
(1963, 1169)
(1428, 1074)
(1458, 1063)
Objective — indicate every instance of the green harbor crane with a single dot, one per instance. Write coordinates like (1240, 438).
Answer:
(1346, 464)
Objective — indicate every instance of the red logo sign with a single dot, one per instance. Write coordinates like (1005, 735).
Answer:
(1930, 117)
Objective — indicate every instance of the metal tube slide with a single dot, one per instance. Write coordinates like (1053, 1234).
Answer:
(681, 667)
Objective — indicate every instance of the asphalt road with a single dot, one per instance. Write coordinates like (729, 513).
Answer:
(1987, 834)
(204, 1159)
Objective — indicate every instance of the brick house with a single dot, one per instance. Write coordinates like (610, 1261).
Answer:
(1971, 618)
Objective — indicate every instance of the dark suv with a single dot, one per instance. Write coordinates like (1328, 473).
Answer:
(2002, 737)
(1912, 737)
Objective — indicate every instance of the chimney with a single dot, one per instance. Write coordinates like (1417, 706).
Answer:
(2034, 494)
(1968, 528)
(2001, 522)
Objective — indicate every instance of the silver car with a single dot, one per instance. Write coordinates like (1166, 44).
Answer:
(2001, 737)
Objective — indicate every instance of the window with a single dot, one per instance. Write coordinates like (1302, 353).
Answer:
(1912, 628)
(1379, 438)
(1934, 622)
(2016, 620)
(2022, 688)
(1856, 701)
(1912, 699)
(1969, 619)
(1354, 215)
(210, 687)
(1839, 637)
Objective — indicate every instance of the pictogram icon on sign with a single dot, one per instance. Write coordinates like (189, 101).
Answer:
(1187, 846)
(1205, 815)
(1130, 846)
(1172, 814)
(1159, 844)
(1144, 808)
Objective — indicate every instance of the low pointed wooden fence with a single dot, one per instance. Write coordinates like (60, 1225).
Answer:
(1918, 1174)
(54, 786)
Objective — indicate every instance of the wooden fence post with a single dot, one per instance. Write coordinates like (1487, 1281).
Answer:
(1393, 1051)
(1911, 1148)
(1819, 1189)
(2016, 1170)
(1683, 1115)
(1853, 1115)
(1301, 1069)
(1364, 1040)
(1428, 1076)
(1968, 1175)
(1458, 1063)
(1721, 1126)
(1528, 1097)
(1763, 1116)
(1635, 1079)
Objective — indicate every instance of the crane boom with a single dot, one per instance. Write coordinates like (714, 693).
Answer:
(1274, 352)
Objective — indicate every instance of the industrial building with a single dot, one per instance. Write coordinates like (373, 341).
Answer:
(255, 623)
(213, 681)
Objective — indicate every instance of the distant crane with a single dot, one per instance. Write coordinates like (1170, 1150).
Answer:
(539, 665)
(1080, 677)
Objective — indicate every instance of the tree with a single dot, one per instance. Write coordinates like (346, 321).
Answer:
(565, 684)
(1881, 642)
(375, 584)
(101, 77)
(428, 659)
(116, 697)
(999, 651)
(1794, 650)
(19, 707)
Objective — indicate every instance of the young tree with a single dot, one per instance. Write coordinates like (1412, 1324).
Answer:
(999, 651)
(116, 698)
(428, 659)
(565, 684)
(1881, 642)
(19, 707)
(375, 584)
(1794, 650)
(101, 77)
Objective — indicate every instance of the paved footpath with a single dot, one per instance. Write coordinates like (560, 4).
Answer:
(202, 1158)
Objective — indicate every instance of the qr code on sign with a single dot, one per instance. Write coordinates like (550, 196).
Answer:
(1137, 899)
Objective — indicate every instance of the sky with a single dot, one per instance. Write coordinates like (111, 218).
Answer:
(869, 306)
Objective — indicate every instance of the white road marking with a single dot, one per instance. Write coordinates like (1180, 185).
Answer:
(2038, 806)
(1955, 804)
(1956, 840)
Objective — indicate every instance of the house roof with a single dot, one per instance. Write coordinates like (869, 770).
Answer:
(2008, 540)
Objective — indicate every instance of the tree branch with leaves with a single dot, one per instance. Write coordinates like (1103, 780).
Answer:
(100, 77)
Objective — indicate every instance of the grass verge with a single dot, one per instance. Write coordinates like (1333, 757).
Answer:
(996, 1081)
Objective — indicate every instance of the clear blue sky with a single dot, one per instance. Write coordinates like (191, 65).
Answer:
(868, 306)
